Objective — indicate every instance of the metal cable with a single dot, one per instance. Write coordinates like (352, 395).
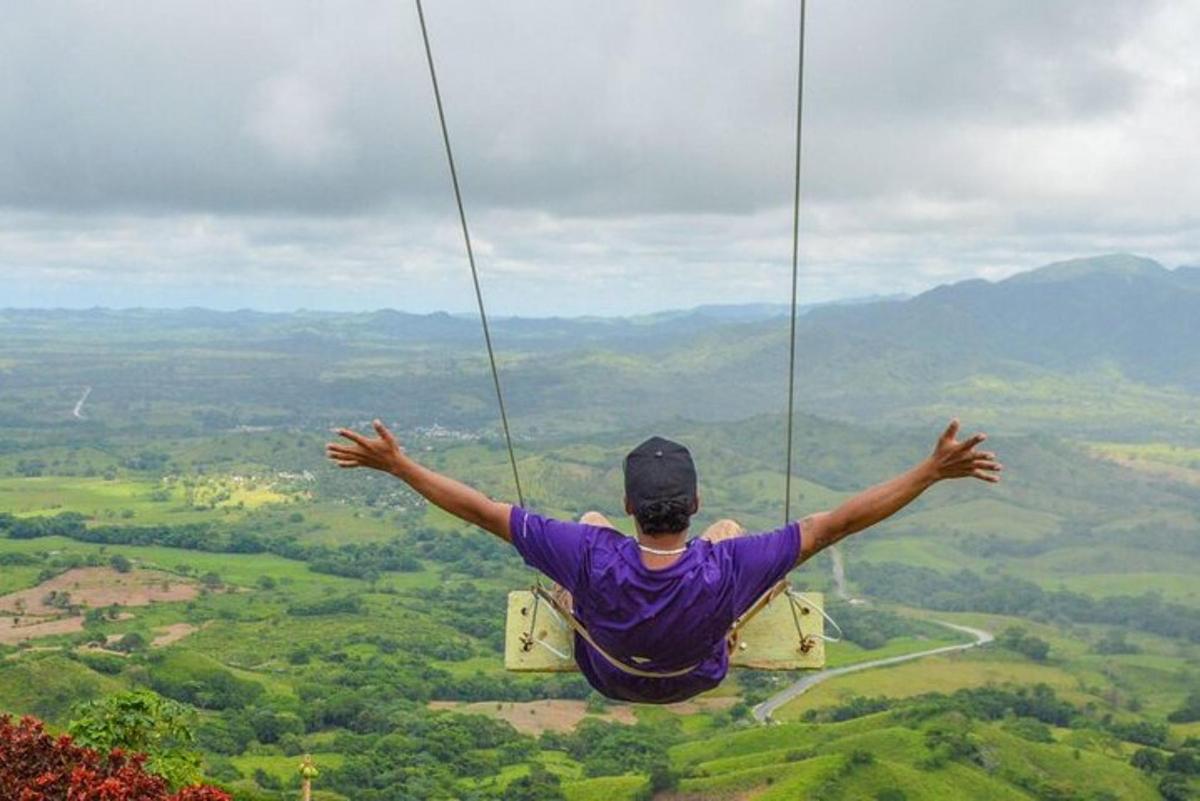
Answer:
(787, 490)
(462, 218)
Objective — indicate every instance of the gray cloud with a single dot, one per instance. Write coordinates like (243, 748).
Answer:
(603, 146)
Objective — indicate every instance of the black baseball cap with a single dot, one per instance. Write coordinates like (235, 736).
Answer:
(659, 470)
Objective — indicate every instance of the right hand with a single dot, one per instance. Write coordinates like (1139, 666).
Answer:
(382, 453)
(954, 459)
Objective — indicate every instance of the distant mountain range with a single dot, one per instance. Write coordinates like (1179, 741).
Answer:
(538, 332)
(1119, 310)
(1097, 342)
(1109, 345)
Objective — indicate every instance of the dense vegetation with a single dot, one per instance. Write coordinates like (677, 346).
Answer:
(35, 766)
(300, 609)
(968, 591)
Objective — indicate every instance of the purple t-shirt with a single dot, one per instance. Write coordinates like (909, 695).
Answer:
(657, 620)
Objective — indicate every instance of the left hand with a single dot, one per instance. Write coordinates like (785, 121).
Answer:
(954, 459)
(382, 453)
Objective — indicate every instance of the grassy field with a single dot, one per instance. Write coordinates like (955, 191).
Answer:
(847, 653)
(48, 684)
(859, 758)
(231, 437)
(245, 629)
(1178, 586)
(129, 501)
(1168, 460)
(18, 577)
(1155, 680)
(935, 674)
(284, 768)
(237, 569)
(984, 516)
(604, 788)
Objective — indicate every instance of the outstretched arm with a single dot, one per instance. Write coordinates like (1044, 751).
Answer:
(950, 459)
(386, 455)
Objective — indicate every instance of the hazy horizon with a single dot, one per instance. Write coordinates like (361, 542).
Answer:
(472, 312)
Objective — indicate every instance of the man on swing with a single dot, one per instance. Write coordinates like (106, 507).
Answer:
(660, 604)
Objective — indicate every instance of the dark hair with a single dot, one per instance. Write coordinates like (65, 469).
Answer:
(667, 516)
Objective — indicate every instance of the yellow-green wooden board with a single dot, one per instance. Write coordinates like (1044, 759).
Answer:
(768, 642)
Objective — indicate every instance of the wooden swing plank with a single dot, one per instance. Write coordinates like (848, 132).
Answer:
(768, 642)
(549, 628)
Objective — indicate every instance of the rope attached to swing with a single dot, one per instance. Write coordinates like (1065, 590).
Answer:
(487, 335)
(462, 218)
(539, 593)
(791, 403)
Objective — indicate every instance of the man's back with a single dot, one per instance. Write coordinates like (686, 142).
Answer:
(656, 620)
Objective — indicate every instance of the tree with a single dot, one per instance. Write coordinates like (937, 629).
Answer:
(144, 722)
(891, 794)
(538, 785)
(1148, 760)
(1014, 638)
(120, 563)
(1114, 642)
(34, 765)
(269, 726)
(1189, 712)
(1174, 787)
(662, 778)
(1184, 761)
(59, 599)
(130, 642)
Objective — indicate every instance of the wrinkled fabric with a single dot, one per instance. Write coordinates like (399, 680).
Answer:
(658, 620)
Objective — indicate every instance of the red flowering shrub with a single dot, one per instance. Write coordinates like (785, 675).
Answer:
(35, 766)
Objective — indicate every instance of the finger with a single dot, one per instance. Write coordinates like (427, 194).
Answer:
(972, 442)
(344, 460)
(354, 437)
(384, 434)
(984, 475)
(347, 464)
(951, 431)
(987, 465)
(333, 448)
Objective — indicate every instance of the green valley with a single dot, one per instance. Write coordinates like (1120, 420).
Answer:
(176, 529)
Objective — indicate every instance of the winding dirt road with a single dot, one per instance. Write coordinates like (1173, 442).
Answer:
(762, 712)
(77, 413)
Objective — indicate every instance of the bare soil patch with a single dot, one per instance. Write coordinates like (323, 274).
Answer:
(1171, 472)
(93, 648)
(695, 705)
(732, 795)
(172, 633)
(29, 614)
(535, 717)
(101, 586)
(32, 628)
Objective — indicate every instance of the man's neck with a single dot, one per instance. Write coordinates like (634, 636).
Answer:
(661, 542)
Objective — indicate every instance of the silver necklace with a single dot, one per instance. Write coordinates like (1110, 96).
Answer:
(662, 552)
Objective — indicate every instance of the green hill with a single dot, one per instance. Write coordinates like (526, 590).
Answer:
(326, 610)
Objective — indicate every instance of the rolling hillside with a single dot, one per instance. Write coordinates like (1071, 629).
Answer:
(168, 522)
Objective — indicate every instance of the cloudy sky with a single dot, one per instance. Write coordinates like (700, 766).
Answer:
(615, 157)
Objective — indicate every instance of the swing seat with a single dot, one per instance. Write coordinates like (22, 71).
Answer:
(768, 640)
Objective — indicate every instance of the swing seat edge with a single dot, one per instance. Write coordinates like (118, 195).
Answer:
(767, 642)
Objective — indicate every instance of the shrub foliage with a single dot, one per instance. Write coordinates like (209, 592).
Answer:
(35, 766)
